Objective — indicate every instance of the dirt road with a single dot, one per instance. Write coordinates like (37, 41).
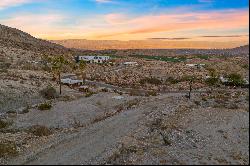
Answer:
(90, 144)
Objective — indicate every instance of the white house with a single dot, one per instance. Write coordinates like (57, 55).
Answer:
(195, 65)
(130, 63)
(93, 59)
(71, 79)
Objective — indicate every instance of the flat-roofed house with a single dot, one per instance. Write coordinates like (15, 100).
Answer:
(93, 59)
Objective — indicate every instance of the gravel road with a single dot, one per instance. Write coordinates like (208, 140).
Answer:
(90, 143)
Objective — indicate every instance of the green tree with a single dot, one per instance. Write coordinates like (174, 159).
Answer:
(58, 63)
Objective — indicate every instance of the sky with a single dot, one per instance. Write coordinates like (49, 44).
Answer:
(182, 20)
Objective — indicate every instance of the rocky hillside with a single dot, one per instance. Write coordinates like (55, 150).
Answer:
(241, 49)
(23, 67)
(14, 38)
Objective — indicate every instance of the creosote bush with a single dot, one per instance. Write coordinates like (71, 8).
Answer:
(40, 131)
(3, 124)
(154, 81)
(45, 106)
(49, 93)
(212, 81)
(8, 149)
(89, 94)
(235, 79)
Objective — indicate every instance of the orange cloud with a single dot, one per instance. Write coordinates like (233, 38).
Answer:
(116, 26)
(174, 22)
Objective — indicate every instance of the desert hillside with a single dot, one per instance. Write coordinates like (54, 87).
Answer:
(14, 38)
(160, 110)
(24, 67)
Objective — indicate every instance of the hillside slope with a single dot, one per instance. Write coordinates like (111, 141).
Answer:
(23, 67)
(14, 38)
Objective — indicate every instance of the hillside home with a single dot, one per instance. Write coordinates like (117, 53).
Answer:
(71, 79)
(93, 59)
(198, 66)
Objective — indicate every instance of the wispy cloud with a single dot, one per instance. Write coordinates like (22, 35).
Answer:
(228, 36)
(103, 1)
(9, 3)
(149, 24)
(121, 26)
(167, 38)
(206, 1)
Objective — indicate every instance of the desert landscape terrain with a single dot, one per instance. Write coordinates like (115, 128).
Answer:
(162, 109)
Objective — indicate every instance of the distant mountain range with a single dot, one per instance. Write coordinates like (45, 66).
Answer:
(142, 44)
(14, 38)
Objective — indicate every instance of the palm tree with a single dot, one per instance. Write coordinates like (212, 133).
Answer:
(58, 63)
(82, 67)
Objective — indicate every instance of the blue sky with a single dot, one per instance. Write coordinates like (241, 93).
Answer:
(127, 19)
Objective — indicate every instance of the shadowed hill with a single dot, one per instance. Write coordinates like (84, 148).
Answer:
(14, 38)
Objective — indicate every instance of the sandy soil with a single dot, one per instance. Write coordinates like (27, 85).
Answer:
(198, 135)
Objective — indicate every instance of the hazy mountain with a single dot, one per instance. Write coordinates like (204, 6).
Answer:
(142, 44)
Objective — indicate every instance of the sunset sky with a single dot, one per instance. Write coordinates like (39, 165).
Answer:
(182, 20)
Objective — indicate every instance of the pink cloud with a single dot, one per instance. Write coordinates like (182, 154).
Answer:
(174, 22)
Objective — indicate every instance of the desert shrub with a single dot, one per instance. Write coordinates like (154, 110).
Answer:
(11, 112)
(245, 66)
(89, 94)
(5, 65)
(136, 93)
(49, 93)
(165, 138)
(104, 90)
(3, 70)
(45, 106)
(172, 80)
(4, 124)
(154, 81)
(119, 92)
(151, 93)
(212, 71)
(84, 89)
(46, 68)
(232, 106)
(40, 131)
(8, 149)
(235, 79)
(212, 81)
(197, 102)
(188, 78)
(132, 103)
(25, 110)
